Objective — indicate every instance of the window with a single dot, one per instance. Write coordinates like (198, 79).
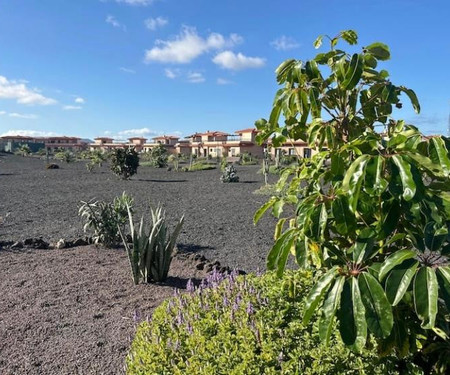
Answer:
(307, 153)
(291, 151)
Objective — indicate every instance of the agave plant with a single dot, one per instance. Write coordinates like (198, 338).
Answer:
(150, 253)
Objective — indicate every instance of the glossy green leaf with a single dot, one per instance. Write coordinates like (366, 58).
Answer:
(329, 309)
(318, 42)
(353, 180)
(399, 280)
(394, 260)
(354, 72)
(434, 240)
(345, 220)
(279, 251)
(277, 208)
(260, 212)
(317, 292)
(426, 296)
(351, 315)
(409, 186)
(442, 153)
(413, 97)
(378, 310)
(379, 50)
(443, 276)
(350, 36)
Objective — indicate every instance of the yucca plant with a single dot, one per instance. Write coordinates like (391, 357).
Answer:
(151, 253)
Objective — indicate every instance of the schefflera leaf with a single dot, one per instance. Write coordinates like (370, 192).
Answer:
(378, 309)
(329, 309)
(399, 280)
(426, 296)
(351, 315)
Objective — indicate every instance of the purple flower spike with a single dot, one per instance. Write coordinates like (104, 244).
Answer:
(136, 316)
(250, 310)
(190, 286)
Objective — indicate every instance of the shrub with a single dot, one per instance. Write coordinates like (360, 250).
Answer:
(373, 209)
(105, 218)
(158, 156)
(247, 159)
(229, 174)
(65, 156)
(124, 162)
(244, 325)
(23, 150)
(201, 166)
(150, 253)
(175, 160)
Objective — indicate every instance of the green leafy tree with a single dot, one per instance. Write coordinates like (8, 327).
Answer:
(158, 156)
(65, 156)
(371, 207)
(175, 160)
(124, 162)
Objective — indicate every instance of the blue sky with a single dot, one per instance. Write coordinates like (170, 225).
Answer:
(149, 67)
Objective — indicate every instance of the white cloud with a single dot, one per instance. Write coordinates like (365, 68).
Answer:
(72, 107)
(154, 23)
(195, 77)
(79, 100)
(284, 43)
(113, 21)
(172, 73)
(223, 81)
(23, 95)
(2, 112)
(30, 133)
(127, 70)
(26, 116)
(187, 46)
(136, 2)
(232, 61)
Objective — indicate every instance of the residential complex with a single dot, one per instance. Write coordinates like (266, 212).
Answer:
(207, 144)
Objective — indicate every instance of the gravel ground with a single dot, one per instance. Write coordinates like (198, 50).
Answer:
(74, 311)
(35, 202)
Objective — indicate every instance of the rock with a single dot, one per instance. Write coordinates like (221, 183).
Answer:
(209, 267)
(61, 244)
(17, 245)
(80, 242)
(36, 243)
(200, 266)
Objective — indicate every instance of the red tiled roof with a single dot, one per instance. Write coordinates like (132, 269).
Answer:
(130, 139)
(215, 133)
(17, 137)
(166, 137)
(248, 130)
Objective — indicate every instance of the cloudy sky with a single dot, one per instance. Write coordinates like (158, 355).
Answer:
(148, 67)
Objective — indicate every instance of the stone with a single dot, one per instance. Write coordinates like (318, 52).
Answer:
(200, 266)
(80, 242)
(61, 244)
(17, 245)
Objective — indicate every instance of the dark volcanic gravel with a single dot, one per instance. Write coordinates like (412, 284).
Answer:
(74, 311)
(35, 202)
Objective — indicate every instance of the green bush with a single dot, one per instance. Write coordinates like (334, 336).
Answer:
(105, 218)
(65, 156)
(229, 174)
(124, 162)
(245, 325)
(201, 166)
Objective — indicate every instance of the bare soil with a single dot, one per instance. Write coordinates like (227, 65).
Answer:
(74, 311)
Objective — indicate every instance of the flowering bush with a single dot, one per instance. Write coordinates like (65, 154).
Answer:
(245, 325)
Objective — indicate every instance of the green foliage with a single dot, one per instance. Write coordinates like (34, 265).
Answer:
(65, 156)
(124, 162)
(24, 150)
(223, 163)
(201, 166)
(247, 159)
(158, 156)
(229, 174)
(246, 325)
(175, 160)
(96, 159)
(371, 208)
(150, 253)
(104, 219)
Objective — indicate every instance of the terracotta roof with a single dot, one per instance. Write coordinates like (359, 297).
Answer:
(62, 138)
(130, 139)
(104, 138)
(248, 130)
(166, 137)
(16, 137)
(215, 133)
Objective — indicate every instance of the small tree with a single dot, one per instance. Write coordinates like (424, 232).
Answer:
(371, 208)
(159, 156)
(174, 159)
(124, 162)
(24, 150)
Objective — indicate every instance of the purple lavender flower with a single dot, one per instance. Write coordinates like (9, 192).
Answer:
(250, 310)
(180, 318)
(189, 328)
(190, 286)
(136, 316)
(176, 292)
(225, 301)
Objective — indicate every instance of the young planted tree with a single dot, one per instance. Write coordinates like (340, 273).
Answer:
(124, 162)
(24, 150)
(372, 207)
(159, 156)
